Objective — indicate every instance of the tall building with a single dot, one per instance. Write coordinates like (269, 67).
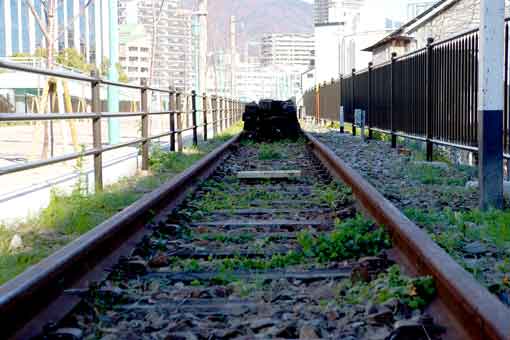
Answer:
(173, 47)
(82, 28)
(134, 52)
(334, 11)
(321, 11)
(290, 49)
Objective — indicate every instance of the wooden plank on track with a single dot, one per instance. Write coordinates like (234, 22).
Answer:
(272, 174)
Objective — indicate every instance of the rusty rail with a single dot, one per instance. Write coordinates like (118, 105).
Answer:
(481, 314)
(26, 301)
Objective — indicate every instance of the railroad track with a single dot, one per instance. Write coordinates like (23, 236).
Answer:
(215, 255)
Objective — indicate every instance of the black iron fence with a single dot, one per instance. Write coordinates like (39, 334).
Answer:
(217, 113)
(429, 94)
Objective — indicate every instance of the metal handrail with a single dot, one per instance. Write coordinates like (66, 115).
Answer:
(229, 111)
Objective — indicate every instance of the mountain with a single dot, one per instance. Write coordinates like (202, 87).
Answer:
(254, 18)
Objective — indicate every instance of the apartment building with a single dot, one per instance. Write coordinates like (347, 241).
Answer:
(288, 49)
(173, 47)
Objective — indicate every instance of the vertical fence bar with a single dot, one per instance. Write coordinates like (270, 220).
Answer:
(205, 111)
(353, 82)
(369, 99)
(178, 107)
(428, 99)
(194, 116)
(171, 109)
(392, 101)
(145, 126)
(341, 112)
(96, 134)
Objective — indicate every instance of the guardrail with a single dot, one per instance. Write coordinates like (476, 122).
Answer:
(430, 95)
(224, 111)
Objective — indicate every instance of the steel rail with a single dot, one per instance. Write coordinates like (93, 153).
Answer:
(26, 301)
(479, 312)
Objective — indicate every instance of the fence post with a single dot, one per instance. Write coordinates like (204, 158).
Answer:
(491, 103)
(353, 101)
(171, 109)
(204, 107)
(214, 108)
(369, 106)
(428, 99)
(194, 116)
(392, 101)
(341, 108)
(178, 107)
(145, 126)
(96, 134)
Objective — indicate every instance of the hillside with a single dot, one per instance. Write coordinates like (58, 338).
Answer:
(255, 17)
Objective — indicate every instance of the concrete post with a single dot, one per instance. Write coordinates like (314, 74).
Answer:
(491, 102)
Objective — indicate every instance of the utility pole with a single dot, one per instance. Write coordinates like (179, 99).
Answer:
(491, 102)
(202, 58)
(232, 55)
(113, 92)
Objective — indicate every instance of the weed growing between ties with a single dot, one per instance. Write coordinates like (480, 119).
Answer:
(353, 238)
(414, 293)
(479, 241)
(71, 215)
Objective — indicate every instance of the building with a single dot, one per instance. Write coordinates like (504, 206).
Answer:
(134, 52)
(415, 8)
(442, 20)
(254, 81)
(173, 45)
(84, 30)
(321, 11)
(288, 49)
(329, 34)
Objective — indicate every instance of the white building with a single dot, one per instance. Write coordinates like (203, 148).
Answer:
(173, 48)
(86, 31)
(255, 81)
(292, 49)
(343, 15)
(134, 52)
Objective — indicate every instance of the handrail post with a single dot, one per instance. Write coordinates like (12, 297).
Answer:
(178, 107)
(428, 99)
(194, 116)
(214, 108)
(145, 125)
(353, 101)
(204, 107)
(171, 109)
(228, 108)
(369, 106)
(96, 134)
(221, 112)
(392, 101)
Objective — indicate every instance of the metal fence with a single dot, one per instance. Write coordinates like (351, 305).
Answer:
(429, 94)
(224, 112)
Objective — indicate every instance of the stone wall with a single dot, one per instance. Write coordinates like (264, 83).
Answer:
(462, 16)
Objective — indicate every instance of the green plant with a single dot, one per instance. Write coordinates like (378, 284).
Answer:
(351, 239)
(269, 152)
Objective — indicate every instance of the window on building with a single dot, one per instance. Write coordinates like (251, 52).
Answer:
(133, 48)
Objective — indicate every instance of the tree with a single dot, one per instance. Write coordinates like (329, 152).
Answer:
(71, 58)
